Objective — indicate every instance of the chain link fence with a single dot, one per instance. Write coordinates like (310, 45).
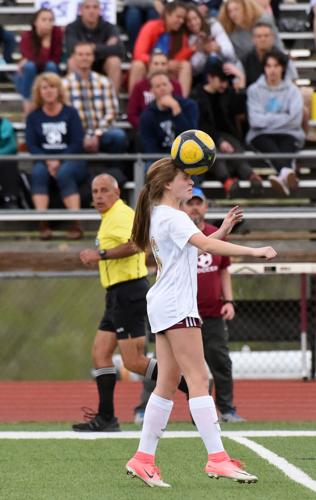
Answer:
(48, 322)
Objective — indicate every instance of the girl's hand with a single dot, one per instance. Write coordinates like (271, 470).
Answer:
(266, 252)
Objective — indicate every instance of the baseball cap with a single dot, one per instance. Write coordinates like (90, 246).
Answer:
(198, 193)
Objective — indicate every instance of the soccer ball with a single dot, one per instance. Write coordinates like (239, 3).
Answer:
(193, 151)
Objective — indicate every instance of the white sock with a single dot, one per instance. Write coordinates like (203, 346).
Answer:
(156, 417)
(204, 414)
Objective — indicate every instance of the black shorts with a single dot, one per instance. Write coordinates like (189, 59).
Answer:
(125, 309)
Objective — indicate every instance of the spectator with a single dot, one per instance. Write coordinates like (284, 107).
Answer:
(41, 50)
(208, 40)
(238, 18)
(218, 106)
(275, 110)
(9, 174)
(166, 117)
(169, 36)
(216, 306)
(105, 37)
(263, 41)
(95, 99)
(136, 13)
(54, 128)
(141, 94)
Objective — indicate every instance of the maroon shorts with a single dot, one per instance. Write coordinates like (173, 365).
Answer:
(187, 322)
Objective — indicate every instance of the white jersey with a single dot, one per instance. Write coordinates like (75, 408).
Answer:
(174, 295)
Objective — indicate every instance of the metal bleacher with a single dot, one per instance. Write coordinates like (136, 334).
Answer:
(263, 209)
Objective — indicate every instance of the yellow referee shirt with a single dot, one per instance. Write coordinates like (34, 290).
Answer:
(115, 229)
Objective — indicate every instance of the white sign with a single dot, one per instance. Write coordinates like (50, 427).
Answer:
(66, 11)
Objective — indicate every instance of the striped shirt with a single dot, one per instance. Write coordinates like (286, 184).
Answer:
(95, 100)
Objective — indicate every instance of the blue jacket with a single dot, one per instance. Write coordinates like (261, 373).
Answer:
(158, 128)
(61, 134)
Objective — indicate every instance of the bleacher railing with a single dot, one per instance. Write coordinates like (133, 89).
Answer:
(139, 159)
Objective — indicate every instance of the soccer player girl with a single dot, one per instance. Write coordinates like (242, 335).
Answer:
(174, 318)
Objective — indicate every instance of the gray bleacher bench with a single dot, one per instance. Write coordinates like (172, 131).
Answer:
(265, 219)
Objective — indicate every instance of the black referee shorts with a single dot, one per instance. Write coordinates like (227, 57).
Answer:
(125, 309)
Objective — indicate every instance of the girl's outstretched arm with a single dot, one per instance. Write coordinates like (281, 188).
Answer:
(218, 247)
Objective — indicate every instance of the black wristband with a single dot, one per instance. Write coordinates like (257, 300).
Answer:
(229, 302)
(102, 254)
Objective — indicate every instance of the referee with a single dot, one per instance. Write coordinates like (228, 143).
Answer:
(123, 274)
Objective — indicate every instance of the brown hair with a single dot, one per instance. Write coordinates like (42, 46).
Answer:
(159, 72)
(204, 25)
(176, 37)
(36, 40)
(252, 12)
(82, 43)
(51, 79)
(158, 175)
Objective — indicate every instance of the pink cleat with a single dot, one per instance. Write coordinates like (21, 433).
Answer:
(147, 472)
(231, 469)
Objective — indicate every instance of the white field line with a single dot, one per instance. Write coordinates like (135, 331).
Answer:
(136, 434)
(289, 469)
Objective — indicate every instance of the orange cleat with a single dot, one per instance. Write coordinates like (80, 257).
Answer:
(149, 473)
(231, 469)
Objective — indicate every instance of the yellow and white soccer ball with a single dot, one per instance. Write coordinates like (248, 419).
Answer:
(193, 151)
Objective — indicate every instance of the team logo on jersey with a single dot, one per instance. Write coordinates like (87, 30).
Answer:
(205, 260)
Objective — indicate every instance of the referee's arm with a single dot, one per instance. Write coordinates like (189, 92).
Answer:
(90, 256)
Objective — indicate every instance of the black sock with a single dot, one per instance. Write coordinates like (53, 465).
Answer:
(152, 373)
(106, 380)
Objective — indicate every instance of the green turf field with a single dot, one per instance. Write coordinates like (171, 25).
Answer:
(68, 469)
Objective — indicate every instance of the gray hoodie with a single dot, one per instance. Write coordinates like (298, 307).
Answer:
(275, 110)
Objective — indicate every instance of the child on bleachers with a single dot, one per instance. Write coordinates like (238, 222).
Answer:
(41, 50)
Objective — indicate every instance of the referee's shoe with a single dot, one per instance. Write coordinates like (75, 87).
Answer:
(97, 424)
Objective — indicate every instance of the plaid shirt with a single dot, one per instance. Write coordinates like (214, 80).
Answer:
(95, 100)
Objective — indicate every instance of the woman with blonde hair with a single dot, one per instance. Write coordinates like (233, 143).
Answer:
(238, 18)
(174, 318)
(54, 128)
